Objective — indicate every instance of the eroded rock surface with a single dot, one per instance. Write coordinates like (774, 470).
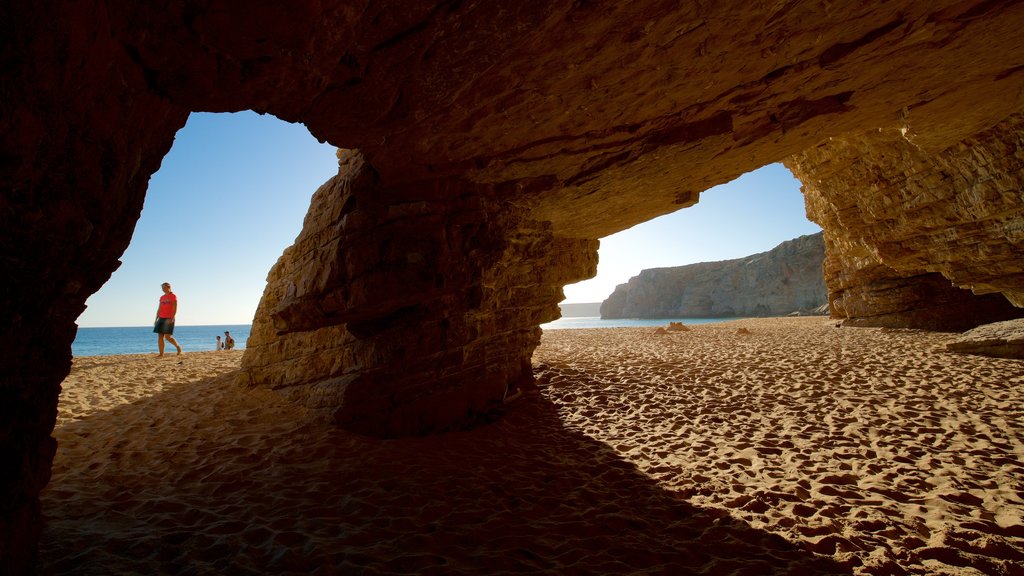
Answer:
(786, 279)
(399, 312)
(551, 123)
(1000, 339)
(886, 205)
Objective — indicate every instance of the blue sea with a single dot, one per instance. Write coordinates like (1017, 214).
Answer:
(597, 322)
(142, 339)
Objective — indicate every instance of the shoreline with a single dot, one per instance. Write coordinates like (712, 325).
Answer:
(120, 341)
(797, 447)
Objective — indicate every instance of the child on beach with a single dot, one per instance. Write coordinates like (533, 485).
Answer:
(220, 345)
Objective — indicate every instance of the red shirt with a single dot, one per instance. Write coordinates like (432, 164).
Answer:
(167, 302)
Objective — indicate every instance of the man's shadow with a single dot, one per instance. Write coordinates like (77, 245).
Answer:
(523, 495)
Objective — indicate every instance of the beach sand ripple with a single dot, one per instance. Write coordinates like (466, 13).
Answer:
(796, 448)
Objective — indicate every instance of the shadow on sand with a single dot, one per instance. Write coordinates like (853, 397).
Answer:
(205, 479)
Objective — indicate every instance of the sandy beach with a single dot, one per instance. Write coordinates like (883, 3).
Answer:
(770, 446)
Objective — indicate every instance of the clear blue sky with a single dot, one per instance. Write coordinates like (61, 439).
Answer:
(231, 195)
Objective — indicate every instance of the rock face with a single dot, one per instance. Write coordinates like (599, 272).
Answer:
(408, 317)
(786, 279)
(537, 127)
(1000, 339)
(885, 205)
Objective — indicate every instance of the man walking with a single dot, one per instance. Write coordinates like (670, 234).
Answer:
(164, 326)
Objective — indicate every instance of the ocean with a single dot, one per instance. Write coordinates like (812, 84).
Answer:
(142, 339)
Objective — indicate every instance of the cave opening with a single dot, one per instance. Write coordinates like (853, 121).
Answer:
(751, 214)
(229, 197)
(96, 93)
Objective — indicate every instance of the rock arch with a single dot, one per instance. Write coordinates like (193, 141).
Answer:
(496, 142)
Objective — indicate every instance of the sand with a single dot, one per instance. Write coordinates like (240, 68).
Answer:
(795, 448)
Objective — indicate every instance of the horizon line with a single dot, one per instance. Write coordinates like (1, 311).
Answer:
(176, 325)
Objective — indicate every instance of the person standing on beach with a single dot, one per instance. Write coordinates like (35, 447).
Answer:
(220, 345)
(164, 326)
(229, 342)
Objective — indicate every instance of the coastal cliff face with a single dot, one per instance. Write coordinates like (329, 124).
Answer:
(783, 280)
(546, 125)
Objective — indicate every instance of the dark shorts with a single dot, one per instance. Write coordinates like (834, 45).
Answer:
(164, 326)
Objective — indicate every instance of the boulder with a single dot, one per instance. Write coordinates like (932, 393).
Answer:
(999, 339)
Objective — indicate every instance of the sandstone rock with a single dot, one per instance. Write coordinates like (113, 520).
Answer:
(430, 333)
(677, 327)
(1000, 339)
(772, 283)
(885, 204)
(528, 129)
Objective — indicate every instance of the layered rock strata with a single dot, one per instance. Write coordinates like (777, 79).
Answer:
(783, 280)
(886, 205)
(555, 122)
(409, 310)
(1000, 340)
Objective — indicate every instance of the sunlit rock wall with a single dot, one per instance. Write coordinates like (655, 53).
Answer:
(919, 239)
(408, 311)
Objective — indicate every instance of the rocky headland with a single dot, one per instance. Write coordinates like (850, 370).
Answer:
(779, 282)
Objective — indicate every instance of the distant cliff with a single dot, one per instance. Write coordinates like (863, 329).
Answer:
(784, 280)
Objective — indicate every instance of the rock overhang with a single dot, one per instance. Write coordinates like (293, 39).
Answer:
(595, 100)
(567, 121)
